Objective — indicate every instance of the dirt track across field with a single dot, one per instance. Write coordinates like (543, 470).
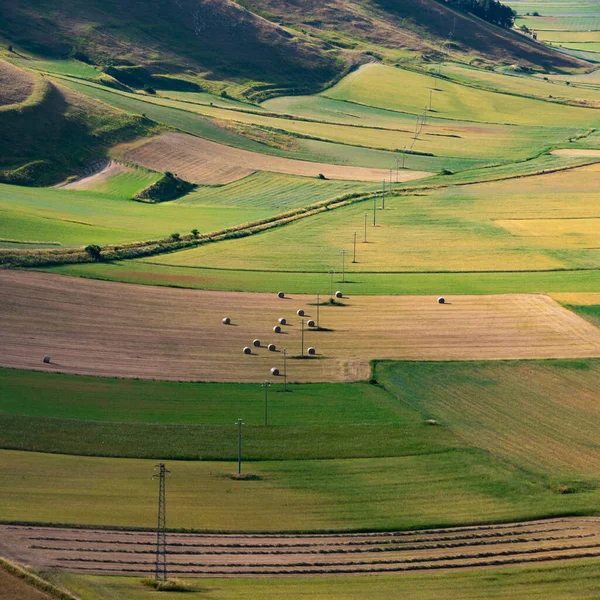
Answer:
(124, 330)
(201, 161)
(107, 170)
(240, 555)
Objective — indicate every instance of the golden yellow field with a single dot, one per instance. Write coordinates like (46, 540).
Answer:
(102, 328)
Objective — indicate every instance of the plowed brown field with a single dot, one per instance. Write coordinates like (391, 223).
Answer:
(239, 555)
(116, 329)
(201, 161)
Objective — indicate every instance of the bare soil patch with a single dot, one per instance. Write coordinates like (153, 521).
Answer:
(250, 555)
(576, 152)
(201, 161)
(117, 329)
(15, 84)
(103, 172)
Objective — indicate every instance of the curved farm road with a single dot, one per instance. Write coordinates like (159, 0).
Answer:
(201, 161)
(248, 555)
(125, 330)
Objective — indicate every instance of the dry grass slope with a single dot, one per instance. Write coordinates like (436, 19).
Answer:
(15, 85)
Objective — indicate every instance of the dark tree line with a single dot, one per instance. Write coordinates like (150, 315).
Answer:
(491, 11)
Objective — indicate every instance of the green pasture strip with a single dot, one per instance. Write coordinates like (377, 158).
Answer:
(591, 312)
(376, 85)
(126, 184)
(364, 284)
(458, 487)
(439, 137)
(75, 218)
(71, 67)
(567, 580)
(184, 120)
(178, 118)
(524, 85)
(541, 416)
(272, 191)
(207, 98)
(39, 394)
(219, 442)
(97, 416)
(526, 223)
(540, 165)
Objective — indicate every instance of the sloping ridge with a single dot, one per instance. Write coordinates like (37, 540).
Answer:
(419, 25)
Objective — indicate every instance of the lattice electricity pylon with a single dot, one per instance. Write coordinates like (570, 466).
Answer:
(160, 571)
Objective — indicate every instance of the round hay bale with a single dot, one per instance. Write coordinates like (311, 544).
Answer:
(339, 294)
(256, 343)
(311, 351)
(277, 329)
(272, 347)
(300, 312)
(281, 295)
(47, 359)
(282, 321)
(311, 323)
(275, 371)
(247, 350)
(226, 321)
(441, 300)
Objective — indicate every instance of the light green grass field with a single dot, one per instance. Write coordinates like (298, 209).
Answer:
(565, 581)
(126, 184)
(75, 218)
(376, 85)
(106, 216)
(374, 493)
(522, 224)
(356, 283)
(522, 84)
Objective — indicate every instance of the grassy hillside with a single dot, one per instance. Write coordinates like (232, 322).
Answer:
(256, 48)
(215, 38)
(55, 132)
(407, 26)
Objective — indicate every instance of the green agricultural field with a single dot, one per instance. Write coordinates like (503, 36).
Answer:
(108, 216)
(539, 415)
(542, 223)
(147, 273)
(115, 417)
(523, 85)
(459, 486)
(503, 468)
(376, 85)
(184, 118)
(127, 184)
(567, 581)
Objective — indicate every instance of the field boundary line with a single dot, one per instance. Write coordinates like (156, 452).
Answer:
(35, 581)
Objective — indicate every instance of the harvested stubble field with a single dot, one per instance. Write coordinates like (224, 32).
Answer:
(202, 161)
(251, 555)
(103, 328)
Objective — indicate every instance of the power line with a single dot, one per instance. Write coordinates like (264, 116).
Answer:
(160, 571)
